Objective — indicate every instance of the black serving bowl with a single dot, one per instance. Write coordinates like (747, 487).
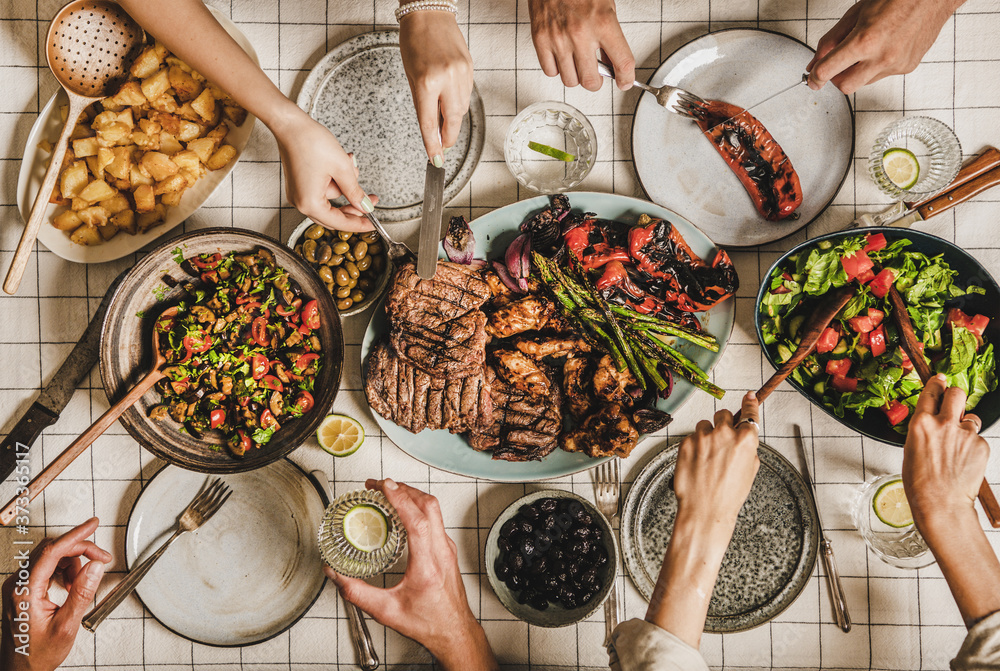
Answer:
(127, 355)
(970, 271)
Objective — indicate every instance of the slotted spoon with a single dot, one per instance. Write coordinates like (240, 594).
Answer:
(89, 47)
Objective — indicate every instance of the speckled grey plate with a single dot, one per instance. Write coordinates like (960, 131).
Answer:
(360, 92)
(245, 576)
(769, 560)
(680, 169)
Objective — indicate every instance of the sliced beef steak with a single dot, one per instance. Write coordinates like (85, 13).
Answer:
(523, 427)
(455, 290)
(452, 348)
(414, 400)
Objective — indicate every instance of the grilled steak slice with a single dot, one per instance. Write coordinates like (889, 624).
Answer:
(414, 400)
(453, 348)
(526, 314)
(607, 432)
(455, 290)
(522, 427)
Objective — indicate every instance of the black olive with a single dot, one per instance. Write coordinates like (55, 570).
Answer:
(598, 556)
(502, 570)
(523, 526)
(549, 522)
(581, 533)
(540, 602)
(586, 597)
(525, 596)
(566, 596)
(515, 581)
(516, 562)
(573, 569)
(530, 513)
(548, 505)
(596, 534)
(508, 528)
(541, 565)
(577, 549)
(556, 554)
(551, 584)
(589, 577)
(527, 547)
(504, 545)
(560, 570)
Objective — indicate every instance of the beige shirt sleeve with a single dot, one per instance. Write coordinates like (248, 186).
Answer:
(981, 648)
(637, 645)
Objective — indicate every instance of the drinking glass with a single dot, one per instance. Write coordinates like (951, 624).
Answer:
(556, 125)
(935, 147)
(348, 560)
(900, 547)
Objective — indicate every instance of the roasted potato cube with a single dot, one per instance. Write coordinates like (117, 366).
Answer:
(126, 118)
(107, 231)
(145, 199)
(110, 106)
(192, 176)
(147, 142)
(155, 85)
(222, 157)
(94, 216)
(187, 160)
(234, 113)
(168, 122)
(203, 147)
(173, 61)
(67, 221)
(84, 147)
(129, 94)
(81, 130)
(97, 190)
(57, 198)
(147, 220)
(115, 204)
(147, 63)
(165, 103)
(149, 127)
(114, 134)
(184, 85)
(186, 111)
(104, 158)
(103, 120)
(92, 167)
(169, 144)
(221, 95)
(45, 146)
(204, 105)
(74, 178)
(188, 130)
(219, 132)
(119, 166)
(158, 165)
(172, 199)
(125, 221)
(175, 182)
(138, 176)
(86, 235)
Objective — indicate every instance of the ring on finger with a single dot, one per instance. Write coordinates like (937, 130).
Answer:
(978, 424)
(747, 420)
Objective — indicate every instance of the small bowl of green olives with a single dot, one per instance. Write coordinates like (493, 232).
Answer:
(551, 558)
(355, 267)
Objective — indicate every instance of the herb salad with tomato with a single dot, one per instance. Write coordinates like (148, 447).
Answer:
(859, 364)
(242, 353)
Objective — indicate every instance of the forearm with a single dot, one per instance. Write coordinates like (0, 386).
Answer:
(967, 560)
(467, 650)
(189, 30)
(691, 565)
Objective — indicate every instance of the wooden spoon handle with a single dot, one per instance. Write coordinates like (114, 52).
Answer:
(78, 446)
(989, 159)
(27, 243)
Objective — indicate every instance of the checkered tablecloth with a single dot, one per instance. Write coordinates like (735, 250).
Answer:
(903, 619)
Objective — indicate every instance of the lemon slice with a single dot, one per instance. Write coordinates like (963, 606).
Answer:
(551, 151)
(891, 506)
(340, 435)
(366, 528)
(901, 166)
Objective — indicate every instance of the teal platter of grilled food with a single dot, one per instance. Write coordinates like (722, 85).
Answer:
(493, 233)
(771, 555)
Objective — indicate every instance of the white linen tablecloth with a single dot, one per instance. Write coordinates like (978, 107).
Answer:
(903, 619)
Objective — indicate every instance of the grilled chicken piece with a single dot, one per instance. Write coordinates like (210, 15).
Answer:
(560, 346)
(615, 386)
(526, 314)
(502, 294)
(522, 373)
(607, 432)
(576, 389)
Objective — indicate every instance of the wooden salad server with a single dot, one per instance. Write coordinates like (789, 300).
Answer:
(16, 506)
(912, 348)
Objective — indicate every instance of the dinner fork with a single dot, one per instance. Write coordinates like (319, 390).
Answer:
(675, 100)
(208, 501)
(396, 250)
(608, 492)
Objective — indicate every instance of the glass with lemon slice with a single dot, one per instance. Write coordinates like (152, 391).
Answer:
(361, 535)
(915, 158)
(882, 515)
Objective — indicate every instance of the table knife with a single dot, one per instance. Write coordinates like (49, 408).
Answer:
(430, 222)
(45, 410)
(837, 595)
(975, 177)
(802, 80)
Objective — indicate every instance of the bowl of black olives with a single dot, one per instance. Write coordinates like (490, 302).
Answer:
(551, 558)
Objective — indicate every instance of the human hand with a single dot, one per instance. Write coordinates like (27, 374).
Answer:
(50, 630)
(944, 458)
(716, 466)
(439, 68)
(429, 604)
(875, 39)
(317, 170)
(567, 35)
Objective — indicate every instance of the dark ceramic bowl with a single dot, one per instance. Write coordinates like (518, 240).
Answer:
(126, 352)
(970, 271)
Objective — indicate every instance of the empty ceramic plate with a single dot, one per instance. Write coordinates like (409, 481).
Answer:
(249, 573)
(360, 92)
(679, 168)
(770, 557)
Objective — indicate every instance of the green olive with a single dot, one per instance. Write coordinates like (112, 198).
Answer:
(375, 248)
(341, 247)
(344, 235)
(360, 249)
(378, 264)
(343, 292)
(331, 287)
(370, 236)
(335, 260)
(352, 270)
(309, 251)
(352, 283)
(326, 274)
(298, 249)
(364, 263)
(365, 284)
(341, 277)
(357, 296)
(315, 232)
(344, 304)
(324, 253)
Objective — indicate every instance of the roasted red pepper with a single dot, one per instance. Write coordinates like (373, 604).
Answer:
(755, 157)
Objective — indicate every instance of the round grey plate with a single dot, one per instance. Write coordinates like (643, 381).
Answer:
(360, 92)
(247, 574)
(770, 557)
(679, 168)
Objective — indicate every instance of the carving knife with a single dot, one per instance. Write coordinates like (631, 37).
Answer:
(45, 410)
(430, 222)
(837, 595)
(979, 174)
